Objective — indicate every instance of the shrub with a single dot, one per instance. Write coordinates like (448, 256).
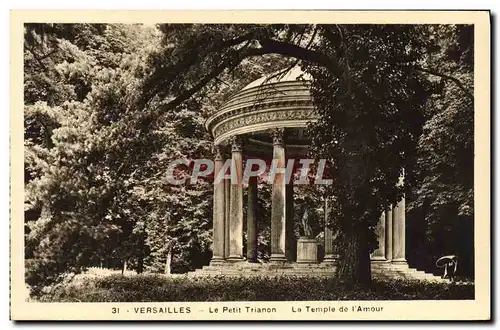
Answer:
(159, 288)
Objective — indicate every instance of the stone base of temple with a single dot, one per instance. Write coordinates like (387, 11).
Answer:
(265, 269)
(400, 269)
(380, 269)
(235, 259)
(278, 258)
(217, 261)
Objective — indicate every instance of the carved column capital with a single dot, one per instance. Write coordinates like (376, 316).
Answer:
(278, 136)
(219, 152)
(236, 143)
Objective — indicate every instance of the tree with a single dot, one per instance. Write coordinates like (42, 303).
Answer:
(96, 162)
(442, 206)
(95, 166)
(82, 151)
(370, 121)
(370, 83)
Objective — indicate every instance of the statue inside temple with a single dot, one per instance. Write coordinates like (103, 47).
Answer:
(306, 230)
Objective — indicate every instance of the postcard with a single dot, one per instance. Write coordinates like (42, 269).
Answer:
(250, 165)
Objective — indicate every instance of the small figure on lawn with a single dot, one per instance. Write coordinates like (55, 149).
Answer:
(449, 263)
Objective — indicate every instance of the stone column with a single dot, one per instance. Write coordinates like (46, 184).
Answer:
(398, 231)
(218, 211)
(278, 200)
(227, 197)
(236, 204)
(379, 254)
(252, 220)
(290, 244)
(330, 257)
(388, 233)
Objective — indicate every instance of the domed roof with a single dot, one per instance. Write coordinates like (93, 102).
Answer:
(293, 74)
(273, 101)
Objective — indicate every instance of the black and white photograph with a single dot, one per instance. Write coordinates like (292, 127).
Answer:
(252, 167)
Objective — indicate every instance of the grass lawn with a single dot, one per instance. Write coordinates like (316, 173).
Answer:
(158, 288)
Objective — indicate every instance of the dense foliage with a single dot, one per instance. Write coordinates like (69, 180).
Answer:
(158, 288)
(442, 201)
(96, 166)
(370, 105)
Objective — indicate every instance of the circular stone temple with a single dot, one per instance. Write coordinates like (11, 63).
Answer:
(265, 105)
(267, 118)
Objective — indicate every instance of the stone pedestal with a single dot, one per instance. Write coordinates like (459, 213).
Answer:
(307, 250)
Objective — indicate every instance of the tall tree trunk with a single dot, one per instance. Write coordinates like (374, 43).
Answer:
(124, 269)
(354, 265)
(140, 264)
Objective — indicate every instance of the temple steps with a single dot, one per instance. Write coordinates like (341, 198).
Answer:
(394, 270)
(383, 270)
